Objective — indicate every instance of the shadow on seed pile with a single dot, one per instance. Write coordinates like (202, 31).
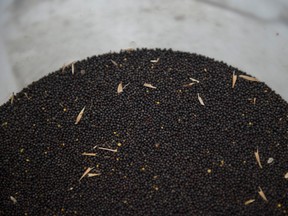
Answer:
(145, 132)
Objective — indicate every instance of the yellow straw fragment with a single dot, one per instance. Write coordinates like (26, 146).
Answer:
(73, 68)
(234, 78)
(12, 98)
(149, 86)
(115, 63)
(155, 61)
(79, 117)
(194, 80)
(89, 154)
(200, 100)
(67, 65)
(93, 174)
(188, 85)
(13, 199)
(261, 193)
(86, 173)
(249, 201)
(253, 79)
(258, 158)
(120, 88)
(107, 149)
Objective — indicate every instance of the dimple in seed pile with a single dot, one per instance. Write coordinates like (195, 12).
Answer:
(145, 132)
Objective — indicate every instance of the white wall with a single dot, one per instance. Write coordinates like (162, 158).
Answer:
(38, 37)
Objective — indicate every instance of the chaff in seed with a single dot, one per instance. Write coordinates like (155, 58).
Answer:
(234, 79)
(79, 117)
(63, 68)
(70, 189)
(254, 100)
(89, 154)
(253, 79)
(257, 156)
(86, 172)
(200, 100)
(73, 68)
(12, 98)
(107, 149)
(155, 61)
(286, 176)
(249, 201)
(194, 80)
(129, 49)
(270, 160)
(188, 85)
(67, 65)
(261, 193)
(126, 86)
(120, 88)
(93, 174)
(115, 63)
(26, 95)
(13, 199)
(149, 86)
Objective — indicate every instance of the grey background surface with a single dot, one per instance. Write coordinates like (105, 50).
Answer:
(38, 37)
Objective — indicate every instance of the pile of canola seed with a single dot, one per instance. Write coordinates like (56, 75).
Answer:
(145, 132)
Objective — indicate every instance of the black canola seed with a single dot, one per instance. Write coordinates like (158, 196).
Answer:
(174, 147)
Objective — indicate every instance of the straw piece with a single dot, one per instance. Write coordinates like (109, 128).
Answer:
(253, 79)
(155, 61)
(89, 154)
(234, 78)
(200, 100)
(149, 86)
(93, 174)
(258, 158)
(13, 199)
(79, 117)
(86, 172)
(249, 201)
(194, 80)
(115, 63)
(261, 193)
(107, 149)
(120, 88)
